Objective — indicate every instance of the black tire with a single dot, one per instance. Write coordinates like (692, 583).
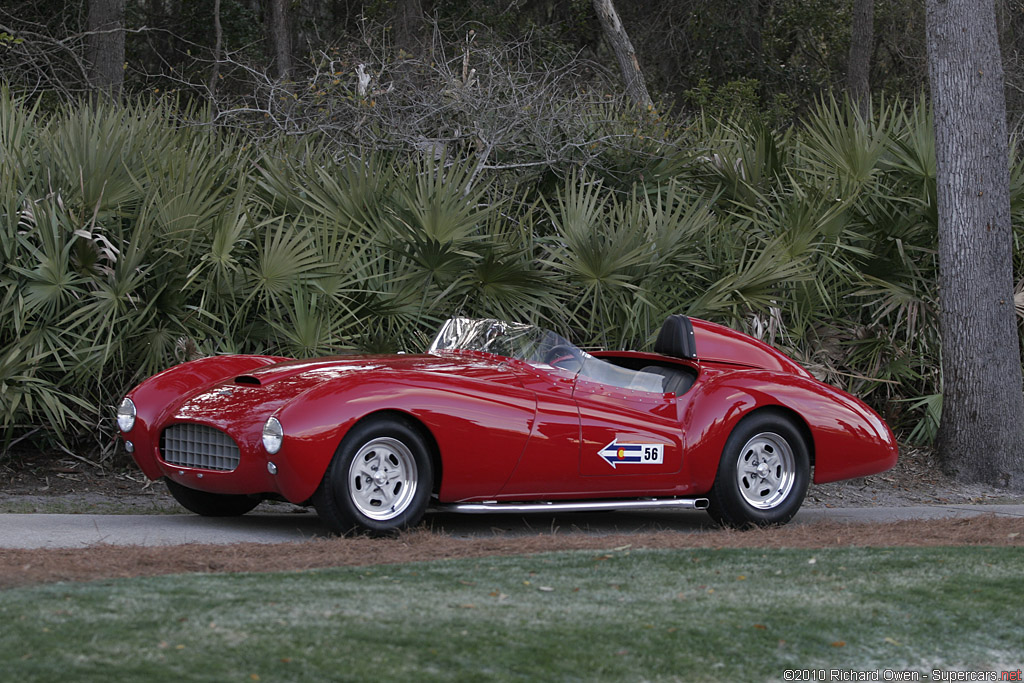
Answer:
(211, 504)
(763, 473)
(379, 480)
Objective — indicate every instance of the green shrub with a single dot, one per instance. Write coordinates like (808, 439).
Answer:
(137, 236)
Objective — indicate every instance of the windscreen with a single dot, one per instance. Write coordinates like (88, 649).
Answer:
(512, 340)
(539, 347)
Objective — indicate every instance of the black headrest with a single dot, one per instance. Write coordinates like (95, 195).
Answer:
(676, 338)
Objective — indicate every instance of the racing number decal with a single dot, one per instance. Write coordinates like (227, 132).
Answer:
(633, 453)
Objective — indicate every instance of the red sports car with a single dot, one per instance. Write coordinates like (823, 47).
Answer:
(502, 416)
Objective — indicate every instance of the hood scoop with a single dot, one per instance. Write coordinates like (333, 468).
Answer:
(248, 379)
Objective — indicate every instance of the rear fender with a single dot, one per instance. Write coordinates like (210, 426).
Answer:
(846, 438)
(713, 410)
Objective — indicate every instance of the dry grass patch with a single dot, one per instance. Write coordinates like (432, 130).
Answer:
(20, 567)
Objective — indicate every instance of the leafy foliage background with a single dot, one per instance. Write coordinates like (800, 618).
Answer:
(499, 172)
(138, 236)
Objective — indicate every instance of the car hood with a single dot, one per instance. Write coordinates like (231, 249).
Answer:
(319, 370)
(252, 397)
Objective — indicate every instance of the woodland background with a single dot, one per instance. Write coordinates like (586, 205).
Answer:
(317, 177)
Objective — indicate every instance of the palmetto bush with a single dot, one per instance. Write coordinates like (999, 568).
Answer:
(851, 206)
(140, 236)
(134, 241)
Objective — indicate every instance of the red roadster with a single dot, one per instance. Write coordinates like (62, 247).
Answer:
(504, 417)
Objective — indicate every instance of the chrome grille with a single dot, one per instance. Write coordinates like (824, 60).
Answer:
(192, 445)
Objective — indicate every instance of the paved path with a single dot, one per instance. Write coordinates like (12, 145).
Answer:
(78, 530)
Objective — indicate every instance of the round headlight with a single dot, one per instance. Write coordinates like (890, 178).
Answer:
(126, 415)
(272, 435)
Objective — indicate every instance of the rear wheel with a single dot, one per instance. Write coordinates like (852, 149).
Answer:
(379, 481)
(211, 504)
(763, 473)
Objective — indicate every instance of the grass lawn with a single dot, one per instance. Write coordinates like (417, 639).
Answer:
(744, 615)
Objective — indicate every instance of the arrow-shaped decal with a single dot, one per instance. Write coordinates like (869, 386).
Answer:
(633, 453)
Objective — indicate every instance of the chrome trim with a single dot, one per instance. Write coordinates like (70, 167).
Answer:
(576, 506)
(382, 479)
(766, 471)
(194, 445)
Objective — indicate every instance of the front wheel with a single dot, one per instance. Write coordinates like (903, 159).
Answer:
(211, 504)
(763, 473)
(379, 480)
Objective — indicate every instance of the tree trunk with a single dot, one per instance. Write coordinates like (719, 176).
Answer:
(614, 31)
(862, 38)
(981, 436)
(218, 39)
(407, 26)
(279, 33)
(104, 47)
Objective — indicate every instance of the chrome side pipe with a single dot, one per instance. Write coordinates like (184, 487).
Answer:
(490, 507)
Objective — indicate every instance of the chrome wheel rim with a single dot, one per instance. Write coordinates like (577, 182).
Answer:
(382, 479)
(766, 471)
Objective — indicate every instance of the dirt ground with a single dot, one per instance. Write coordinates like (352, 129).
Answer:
(77, 484)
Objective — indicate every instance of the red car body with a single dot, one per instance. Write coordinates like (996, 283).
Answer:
(500, 429)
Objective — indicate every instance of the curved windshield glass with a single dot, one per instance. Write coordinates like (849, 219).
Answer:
(538, 347)
(512, 340)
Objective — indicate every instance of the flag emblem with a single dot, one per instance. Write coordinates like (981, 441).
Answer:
(617, 453)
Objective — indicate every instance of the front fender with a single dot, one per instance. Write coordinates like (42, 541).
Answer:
(480, 434)
(160, 394)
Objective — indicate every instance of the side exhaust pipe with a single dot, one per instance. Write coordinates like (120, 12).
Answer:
(490, 507)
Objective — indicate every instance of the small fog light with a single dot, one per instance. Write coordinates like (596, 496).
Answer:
(126, 415)
(129, 447)
(272, 435)
(272, 468)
